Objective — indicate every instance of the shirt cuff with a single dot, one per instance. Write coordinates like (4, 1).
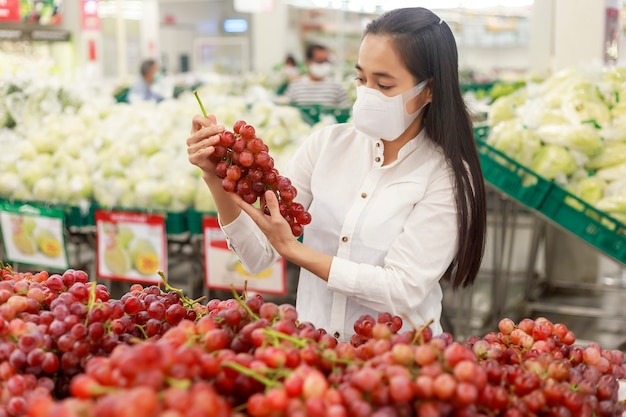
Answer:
(239, 230)
(342, 276)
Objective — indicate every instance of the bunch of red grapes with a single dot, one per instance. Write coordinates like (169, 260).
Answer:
(152, 353)
(53, 324)
(246, 168)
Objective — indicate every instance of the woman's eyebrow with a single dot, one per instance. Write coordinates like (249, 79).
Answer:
(378, 74)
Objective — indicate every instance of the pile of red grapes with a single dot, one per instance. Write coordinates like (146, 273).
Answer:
(248, 357)
(246, 168)
(53, 324)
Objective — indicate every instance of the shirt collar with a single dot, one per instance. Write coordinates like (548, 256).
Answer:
(411, 146)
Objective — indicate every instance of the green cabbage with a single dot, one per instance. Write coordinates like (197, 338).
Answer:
(613, 153)
(511, 138)
(552, 161)
(504, 108)
(582, 138)
(590, 189)
(613, 204)
(612, 173)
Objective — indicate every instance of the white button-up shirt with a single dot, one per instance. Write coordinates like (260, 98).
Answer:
(392, 230)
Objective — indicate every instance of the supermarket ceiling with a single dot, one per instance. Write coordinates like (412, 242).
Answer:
(378, 5)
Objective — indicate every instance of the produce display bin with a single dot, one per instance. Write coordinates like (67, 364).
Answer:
(586, 222)
(175, 223)
(313, 113)
(76, 217)
(511, 178)
(194, 221)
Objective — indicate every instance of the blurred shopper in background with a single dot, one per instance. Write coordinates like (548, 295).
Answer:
(290, 68)
(317, 87)
(397, 197)
(142, 89)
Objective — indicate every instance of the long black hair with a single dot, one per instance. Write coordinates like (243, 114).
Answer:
(427, 47)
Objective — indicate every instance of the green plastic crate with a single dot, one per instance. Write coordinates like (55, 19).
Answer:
(175, 223)
(312, 114)
(510, 177)
(195, 219)
(77, 217)
(586, 222)
(481, 132)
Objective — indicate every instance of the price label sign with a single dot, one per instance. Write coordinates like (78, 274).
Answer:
(130, 246)
(223, 268)
(10, 11)
(34, 235)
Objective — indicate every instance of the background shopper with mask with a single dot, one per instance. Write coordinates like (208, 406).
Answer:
(317, 87)
(142, 89)
(397, 198)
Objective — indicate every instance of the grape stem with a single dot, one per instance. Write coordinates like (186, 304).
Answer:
(186, 301)
(142, 330)
(418, 330)
(242, 303)
(178, 383)
(92, 300)
(299, 342)
(249, 372)
(195, 93)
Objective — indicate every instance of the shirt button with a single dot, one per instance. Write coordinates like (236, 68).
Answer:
(378, 144)
(377, 159)
(344, 239)
(336, 334)
(363, 195)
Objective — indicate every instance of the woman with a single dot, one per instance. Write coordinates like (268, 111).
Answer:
(397, 198)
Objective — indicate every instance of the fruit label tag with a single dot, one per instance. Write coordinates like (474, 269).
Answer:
(223, 268)
(130, 246)
(34, 235)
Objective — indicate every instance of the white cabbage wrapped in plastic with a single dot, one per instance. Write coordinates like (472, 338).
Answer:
(108, 192)
(534, 113)
(183, 189)
(10, 184)
(44, 189)
(553, 161)
(553, 89)
(31, 171)
(589, 189)
(612, 173)
(612, 81)
(613, 204)
(616, 130)
(582, 138)
(203, 199)
(511, 138)
(505, 107)
(584, 105)
(613, 153)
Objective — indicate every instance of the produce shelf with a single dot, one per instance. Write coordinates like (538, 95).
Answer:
(312, 114)
(512, 178)
(586, 222)
(194, 221)
(551, 200)
(175, 222)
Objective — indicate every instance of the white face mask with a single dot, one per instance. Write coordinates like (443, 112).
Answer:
(381, 117)
(320, 70)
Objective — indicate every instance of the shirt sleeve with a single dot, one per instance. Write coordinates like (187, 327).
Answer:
(249, 244)
(415, 262)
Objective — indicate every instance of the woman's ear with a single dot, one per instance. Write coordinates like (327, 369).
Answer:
(429, 91)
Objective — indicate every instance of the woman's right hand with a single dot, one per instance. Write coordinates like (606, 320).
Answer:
(205, 133)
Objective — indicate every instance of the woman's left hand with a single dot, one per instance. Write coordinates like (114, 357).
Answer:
(274, 226)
